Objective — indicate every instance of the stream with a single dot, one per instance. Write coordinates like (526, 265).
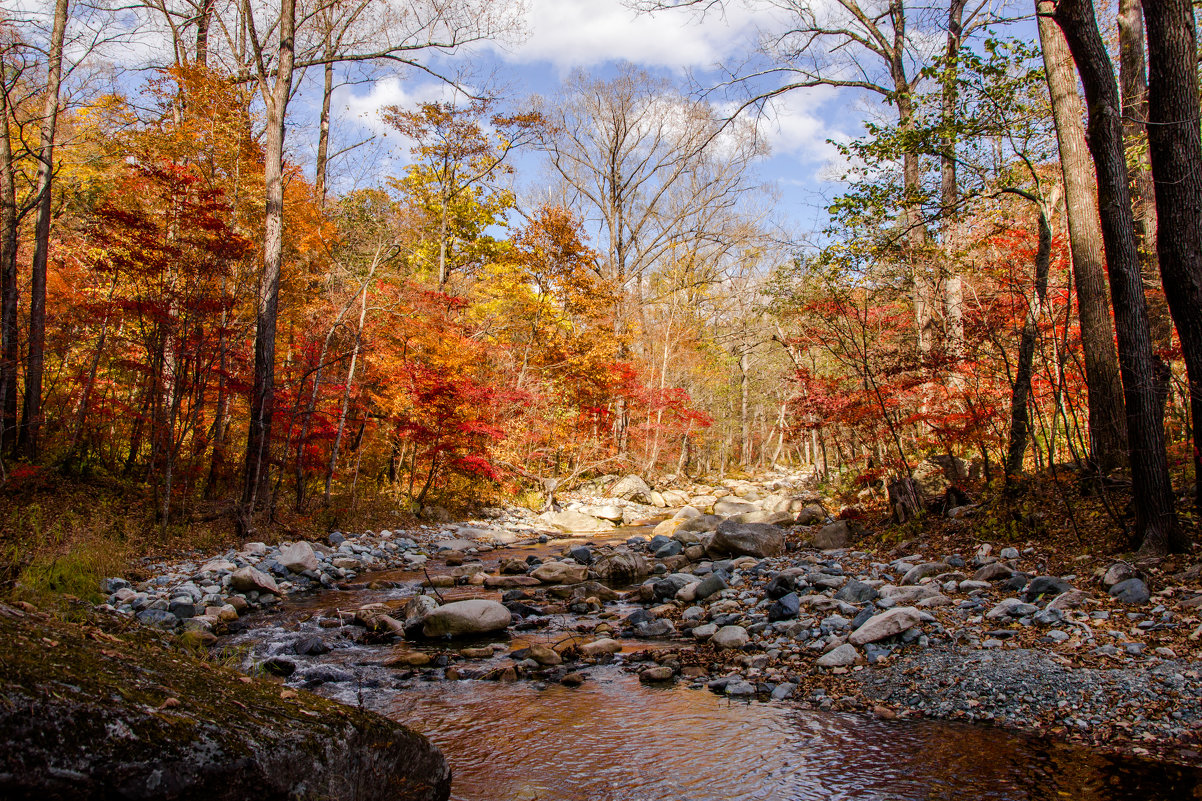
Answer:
(614, 739)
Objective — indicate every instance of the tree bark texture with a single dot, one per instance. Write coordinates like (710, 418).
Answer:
(1175, 146)
(1156, 525)
(1020, 422)
(1107, 421)
(31, 412)
(262, 396)
(9, 355)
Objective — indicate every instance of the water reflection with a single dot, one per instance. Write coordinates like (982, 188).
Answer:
(614, 740)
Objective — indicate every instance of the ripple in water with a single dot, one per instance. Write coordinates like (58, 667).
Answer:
(615, 740)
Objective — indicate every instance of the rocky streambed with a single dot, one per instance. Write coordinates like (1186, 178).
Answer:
(609, 649)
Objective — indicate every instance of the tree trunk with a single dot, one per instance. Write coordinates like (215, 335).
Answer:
(1107, 421)
(323, 136)
(1156, 525)
(953, 291)
(31, 412)
(1020, 398)
(1175, 145)
(203, 22)
(1134, 84)
(346, 394)
(262, 396)
(8, 278)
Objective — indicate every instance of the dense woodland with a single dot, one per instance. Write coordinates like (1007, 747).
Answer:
(558, 287)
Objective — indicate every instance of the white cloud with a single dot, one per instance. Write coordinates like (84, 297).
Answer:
(585, 33)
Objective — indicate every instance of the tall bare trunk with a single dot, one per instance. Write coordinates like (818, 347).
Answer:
(953, 291)
(262, 397)
(323, 136)
(1175, 145)
(1107, 421)
(1156, 522)
(8, 278)
(1020, 398)
(31, 412)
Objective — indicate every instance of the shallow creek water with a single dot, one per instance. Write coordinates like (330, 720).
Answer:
(613, 739)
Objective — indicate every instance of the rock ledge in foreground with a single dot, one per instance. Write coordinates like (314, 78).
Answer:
(99, 711)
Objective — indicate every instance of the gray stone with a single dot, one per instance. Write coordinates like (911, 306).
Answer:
(158, 618)
(711, 584)
(1131, 591)
(298, 557)
(857, 592)
(886, 624)
(730, 637)
(811, 515)
(842, 656)
(460, 618)
(1046, 586)
(571, 522)
(1118, 572)
(750, 539)
(918, 573)
(631, 488)
(833, 536)
(248, 579)
(560, 573)
(995, 571)
(622, 566)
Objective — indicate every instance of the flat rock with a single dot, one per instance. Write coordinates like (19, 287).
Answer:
(750, 539)
(462, 618)
(560, 573)
(886, 624)
(841, 656)
(571, 522)
(833, 536)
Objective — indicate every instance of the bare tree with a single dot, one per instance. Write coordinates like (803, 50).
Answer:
(643, 160)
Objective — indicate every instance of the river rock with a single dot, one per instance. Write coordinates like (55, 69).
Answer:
(833, 536)
(1047, 587)
(655, 675)
(785, 608)
(728, 507)
(1131, 591)
(623, 566)
(601, 647)
(919, 572)
(730, 637)
(571, 522)
(248, 579)
(611, 512)
(857, 592)
(462, 618)
(560, 573)
(750, 539)
(298, 557)
(631, 488)
(1119, 571)
(886, 624)
(994, 571)
(811, 515)
(842, 656)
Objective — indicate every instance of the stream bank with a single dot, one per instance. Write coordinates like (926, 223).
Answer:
(996, 635)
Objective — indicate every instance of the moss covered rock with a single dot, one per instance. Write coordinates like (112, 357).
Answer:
(100, 709)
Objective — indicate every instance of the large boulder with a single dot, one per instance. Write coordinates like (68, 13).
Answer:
(132, 717)
(729, 507)
(747, 539)
(571, 522)
(298, 557)
(886, 624)
(631, 488)
(623, 566)
(832, 536)
(248, 579)
(466, 618)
